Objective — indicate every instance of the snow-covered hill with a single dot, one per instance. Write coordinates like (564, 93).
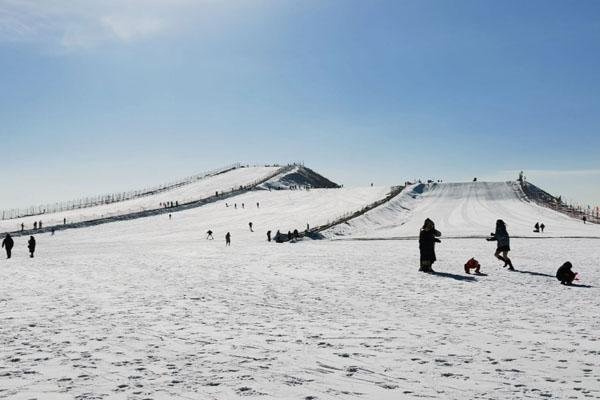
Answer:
(462, 210)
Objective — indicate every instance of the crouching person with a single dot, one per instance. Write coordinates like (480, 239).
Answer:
(472, 264)
(565, 275)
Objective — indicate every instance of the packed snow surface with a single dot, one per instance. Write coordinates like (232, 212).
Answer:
(463, 210)
(151, 309)
(194, 191)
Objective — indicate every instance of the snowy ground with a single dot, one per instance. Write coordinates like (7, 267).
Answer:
(101, 313)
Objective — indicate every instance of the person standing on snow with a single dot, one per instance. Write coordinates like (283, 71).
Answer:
(268, 236)
(428, 237)
(542, 227)
(209, 235)
(250, 225)
(228, 239)
(536, 227)
(31, 246)
(8, 244)
(501, 236)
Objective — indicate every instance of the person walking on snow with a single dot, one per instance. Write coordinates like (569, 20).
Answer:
(428, 237)
(542, 227)
(536, 227)
(209, 235)
(228, 239)
(501, 236)
(31, 246)
(250, 225)
(268, 236)
(8, 244)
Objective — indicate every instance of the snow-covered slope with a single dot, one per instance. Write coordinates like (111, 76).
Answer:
(462, 209)
(198, 190)
(299, 176)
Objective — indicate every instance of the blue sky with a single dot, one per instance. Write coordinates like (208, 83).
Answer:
(104, 95)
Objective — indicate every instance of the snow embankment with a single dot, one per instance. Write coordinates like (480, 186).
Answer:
(200, 189)
(462, 210)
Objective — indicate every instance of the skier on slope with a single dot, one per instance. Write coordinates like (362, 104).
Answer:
(8, 244)
(31, 246)
(228, 239)
(428, 237)
(501, 236)
(565, 275)
(209, 235)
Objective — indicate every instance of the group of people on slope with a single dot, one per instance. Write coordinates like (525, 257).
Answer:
(539, 228)
(429, 236)
(8, 243)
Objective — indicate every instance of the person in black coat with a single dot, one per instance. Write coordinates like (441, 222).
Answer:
(228, 239)
(565, 275)
(428, 237)
(501, 236)
(8, 244)
(268, 236)
(31, 246)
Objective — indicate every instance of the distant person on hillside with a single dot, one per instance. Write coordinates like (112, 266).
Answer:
(296, 234)
(31, 246)
(64, 221)
(536, 227)
(584, 219)
(501, 236)
(35, 225)
(235, 206)
(289, 236)
(22, 227)
(8, 244)
(40, 225)
(268, 236)
(228, 239)
(209, 235)
(565, 275)
(170, 216)
(250, 226)
(257, 204)
(52, 232)
(279, 237)
(542, 227)
(428, 237)
(243, 205)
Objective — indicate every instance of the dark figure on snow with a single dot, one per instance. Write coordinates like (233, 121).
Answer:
(22, 227)
(289, 235)
(235, 206)
(501, 236)
(242, 205)
(565, 275)
(31, 246)
(8, 244)
(52, 232)
(279, 237)
(170, 216)
(296, 234)
(209, 235)
(428, 237)
(228, 239)
(584, 219)
(250, 225)
(268, 236)
(257, 204)
(64, 221)
(472, 264)
(536, 227)
(40, 225)
(35, 225)
(542, 227)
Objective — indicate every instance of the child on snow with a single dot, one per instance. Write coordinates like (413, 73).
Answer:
(472, 264)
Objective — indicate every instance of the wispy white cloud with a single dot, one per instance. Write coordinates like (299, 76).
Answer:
(83, 24)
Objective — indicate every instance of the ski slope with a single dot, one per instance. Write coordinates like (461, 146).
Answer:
(200, 189)
(462, 210)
